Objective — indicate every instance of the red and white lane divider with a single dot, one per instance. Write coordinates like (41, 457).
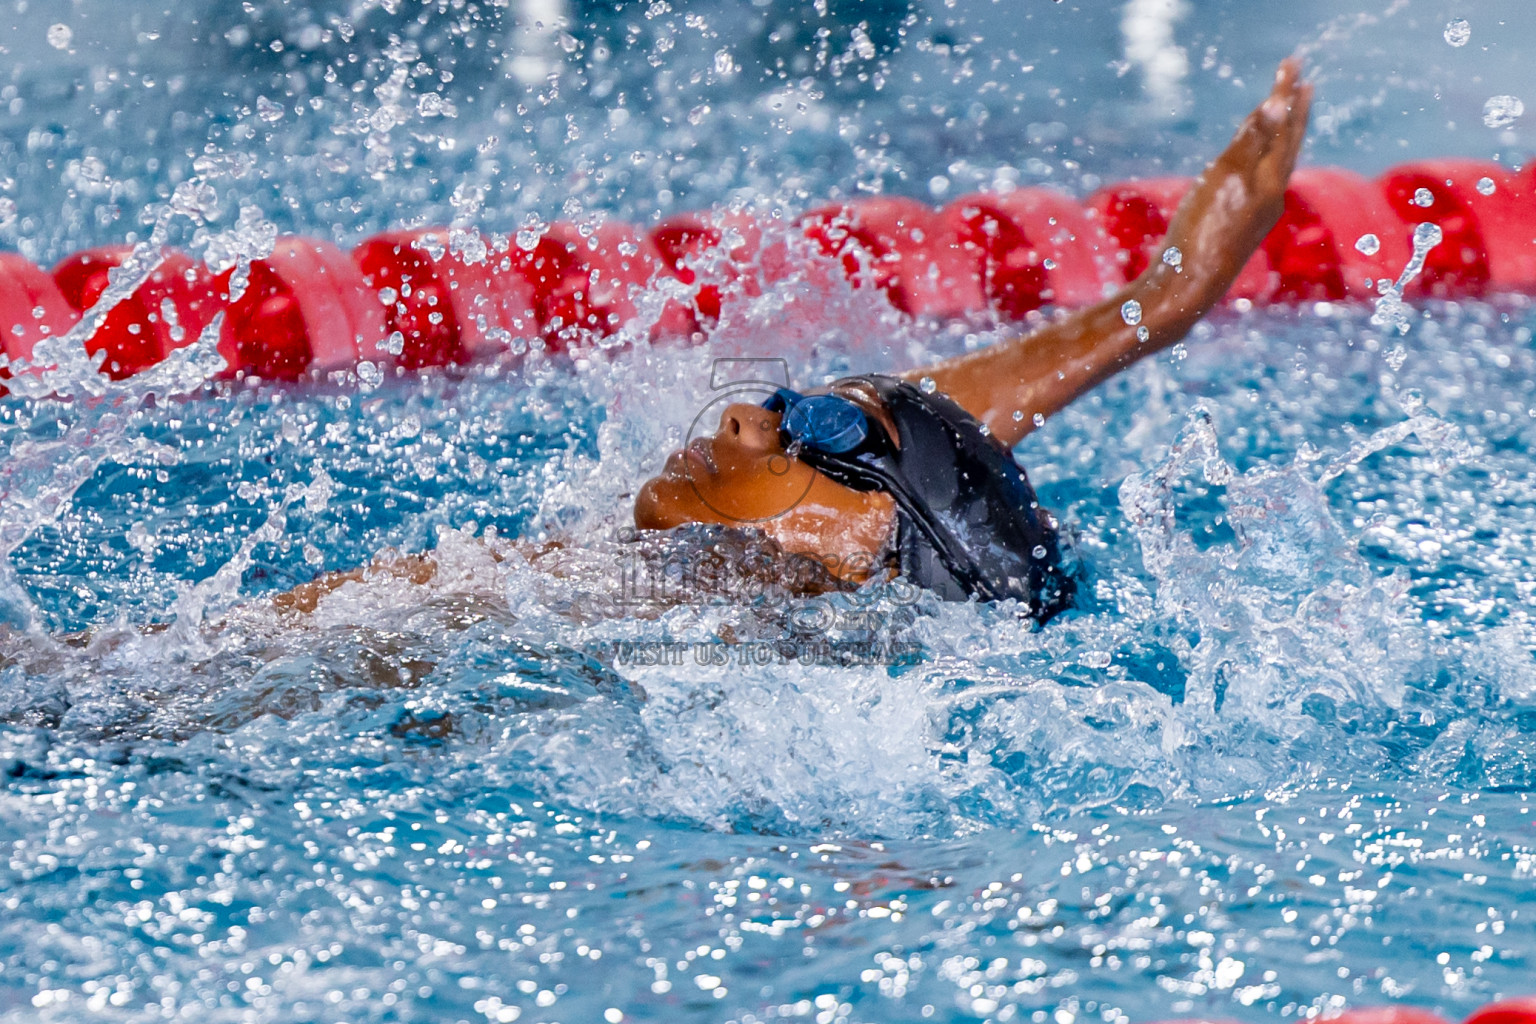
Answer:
(408, 299)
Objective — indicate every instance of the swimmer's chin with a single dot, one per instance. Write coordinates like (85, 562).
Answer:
(653, 510)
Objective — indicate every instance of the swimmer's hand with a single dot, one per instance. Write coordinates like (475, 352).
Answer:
(1220, 223)
(418, 570)
(304, 598)
(1239, 198)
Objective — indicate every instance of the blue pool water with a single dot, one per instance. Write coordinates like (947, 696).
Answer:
(1280, 760)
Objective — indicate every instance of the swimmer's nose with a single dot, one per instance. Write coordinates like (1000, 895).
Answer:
(751, 426)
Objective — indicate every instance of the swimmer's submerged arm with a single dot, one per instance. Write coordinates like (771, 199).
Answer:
(305, 597)
(1222, 220)
(418, 570)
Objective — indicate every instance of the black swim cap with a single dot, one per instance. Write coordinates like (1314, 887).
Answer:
(968, 522)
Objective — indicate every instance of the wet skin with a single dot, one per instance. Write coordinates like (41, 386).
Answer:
(743, 477)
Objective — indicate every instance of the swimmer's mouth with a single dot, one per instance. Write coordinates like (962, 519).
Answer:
(700, 453)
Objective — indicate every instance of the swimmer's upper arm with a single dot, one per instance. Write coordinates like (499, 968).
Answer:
(1225, 217)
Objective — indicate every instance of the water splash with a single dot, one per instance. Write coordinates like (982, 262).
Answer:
(1391, 310)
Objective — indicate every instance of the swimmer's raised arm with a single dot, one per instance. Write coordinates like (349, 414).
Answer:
(1222, 220)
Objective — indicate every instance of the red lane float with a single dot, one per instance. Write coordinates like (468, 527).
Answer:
(31, 306)
(901, 247)
(165, 313)
(1385, 1015)
(447, 308)
(1031, 247)
(1510, 1011)
(311, 308)
(1489, 241)
(585, 281)
(306, 309)
(727, 249)
(1135, 214)
(1315, 251)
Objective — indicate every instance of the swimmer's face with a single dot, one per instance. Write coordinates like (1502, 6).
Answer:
(743, 477)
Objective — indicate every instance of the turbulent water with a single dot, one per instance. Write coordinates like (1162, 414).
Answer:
(1279, 759)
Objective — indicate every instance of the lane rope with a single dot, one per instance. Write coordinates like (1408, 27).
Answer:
(412, 299)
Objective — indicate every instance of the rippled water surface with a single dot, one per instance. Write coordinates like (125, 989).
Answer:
(1280, 758)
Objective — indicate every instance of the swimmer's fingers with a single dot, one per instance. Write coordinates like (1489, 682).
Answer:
(1285, 115)
(1301, 111)
(1265, 148)
(1266, 129)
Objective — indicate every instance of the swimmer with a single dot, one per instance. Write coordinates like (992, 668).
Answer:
(912, 473)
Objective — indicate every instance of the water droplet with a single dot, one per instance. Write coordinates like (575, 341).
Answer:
(394, 344)
(863, 45)
(1018, 415)
(1486, 186)
(1038, 419)
(1396, 357)
(1038, 551)
(1130, 311)
(370, 374)
(1180, 352)
(1427, 236)
(1368, 244)
(195, 200)
(268, 111)
(60, 36)
(1173, 257)
(928, 385)
(1502, 111)
(1048, 263)
(468, 246)
(1457, 32)
(1423, 197)
(1097, 659)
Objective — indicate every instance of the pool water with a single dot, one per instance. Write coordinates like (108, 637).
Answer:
(1279, 760)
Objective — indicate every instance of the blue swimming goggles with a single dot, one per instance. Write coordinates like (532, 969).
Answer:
(824, 424)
